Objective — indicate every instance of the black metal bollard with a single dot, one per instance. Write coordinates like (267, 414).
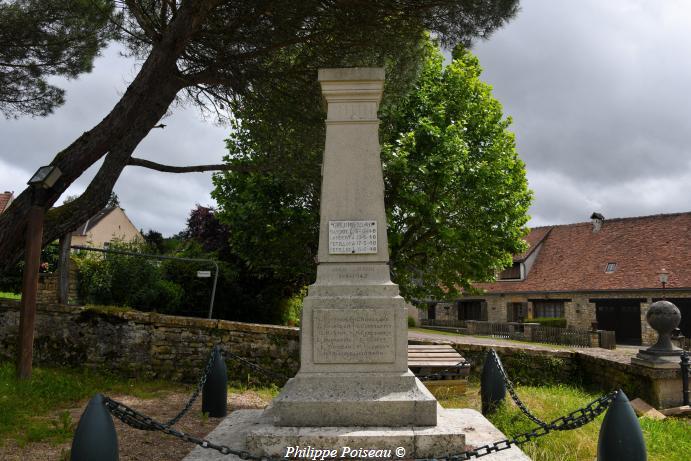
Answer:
(215, 390)
(685, 377)
(95, 438)
(492, 386)
(621, 437)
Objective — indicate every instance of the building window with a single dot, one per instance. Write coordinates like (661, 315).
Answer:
(516, 312)
(611, 267)
(469, 310)
(549, 309)
(511, 273)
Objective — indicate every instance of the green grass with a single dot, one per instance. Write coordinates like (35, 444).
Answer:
(8, 295)
(35, 410)
(667, 440)
(25, 406)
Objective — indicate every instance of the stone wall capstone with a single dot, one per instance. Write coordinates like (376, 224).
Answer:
(148, 345)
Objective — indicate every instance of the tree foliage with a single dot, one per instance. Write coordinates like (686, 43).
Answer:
(456, 192)
(215, 53)
(204, 227)
(42, 38)
(456, 189)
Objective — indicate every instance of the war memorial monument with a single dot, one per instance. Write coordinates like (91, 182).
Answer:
(354, 390)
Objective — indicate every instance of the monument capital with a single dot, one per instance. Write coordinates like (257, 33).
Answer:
(352, 94)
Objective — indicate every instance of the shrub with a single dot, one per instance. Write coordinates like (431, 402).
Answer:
(122, 280)
(559, 322)
(411, 322)
(291, 308)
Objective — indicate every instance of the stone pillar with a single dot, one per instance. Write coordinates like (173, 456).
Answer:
(595, 338)
(528, 329)
(353, 349)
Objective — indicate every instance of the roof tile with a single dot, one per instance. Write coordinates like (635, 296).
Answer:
(574, 258)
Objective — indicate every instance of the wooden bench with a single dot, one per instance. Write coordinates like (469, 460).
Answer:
(442, 369)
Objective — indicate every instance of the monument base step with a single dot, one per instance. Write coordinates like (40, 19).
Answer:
(458, 429)
(354, 399)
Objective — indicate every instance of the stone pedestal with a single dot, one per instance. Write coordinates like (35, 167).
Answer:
(251, 430)
(663, 317)
(354, 334)
(657, 361)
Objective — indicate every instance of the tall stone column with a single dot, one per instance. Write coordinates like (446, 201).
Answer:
(354, 335)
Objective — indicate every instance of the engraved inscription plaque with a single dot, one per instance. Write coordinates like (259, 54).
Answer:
(352, 237)
(353, 336)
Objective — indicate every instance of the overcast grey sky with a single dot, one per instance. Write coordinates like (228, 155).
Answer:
(600, 95)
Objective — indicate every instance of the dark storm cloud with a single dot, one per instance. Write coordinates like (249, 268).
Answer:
(597, 91)
(153, 200)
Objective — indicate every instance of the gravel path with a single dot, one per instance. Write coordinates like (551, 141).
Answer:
(136, 445)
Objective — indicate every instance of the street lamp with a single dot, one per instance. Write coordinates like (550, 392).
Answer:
(45, 177)
(41, 182)
(664, 278)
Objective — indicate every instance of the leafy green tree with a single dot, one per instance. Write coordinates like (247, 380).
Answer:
(154, 241)
(212, 53)
(42, 38)
(456, 191)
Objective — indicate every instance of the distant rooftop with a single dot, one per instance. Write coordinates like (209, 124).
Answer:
(5, 200)
(612, 254)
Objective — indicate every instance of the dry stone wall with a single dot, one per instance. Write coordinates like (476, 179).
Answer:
(148, 345)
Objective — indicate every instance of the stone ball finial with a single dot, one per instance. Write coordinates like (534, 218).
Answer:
(663, 317)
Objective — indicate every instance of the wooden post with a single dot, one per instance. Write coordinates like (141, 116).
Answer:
(64, 269)
(27, 316)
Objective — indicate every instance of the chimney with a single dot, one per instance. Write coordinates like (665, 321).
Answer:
(598, 219)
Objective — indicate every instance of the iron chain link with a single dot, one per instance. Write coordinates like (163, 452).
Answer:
(133, 418)
(573, 420)
(446, 372)
(254, 366)
(197, 391)
(137, 420)
(514, 396)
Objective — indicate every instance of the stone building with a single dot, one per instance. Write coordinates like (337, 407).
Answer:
(602, 273)
(105, 226)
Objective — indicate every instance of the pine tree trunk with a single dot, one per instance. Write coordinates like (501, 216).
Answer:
(144, 103)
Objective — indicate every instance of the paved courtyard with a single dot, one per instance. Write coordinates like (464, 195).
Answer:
(621, 354)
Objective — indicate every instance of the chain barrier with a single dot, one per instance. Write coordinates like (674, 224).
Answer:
(133, 418)
(195, 394)
(512, 392)
(137, 420)
(573, 420)
(254, 366)
(446, 372)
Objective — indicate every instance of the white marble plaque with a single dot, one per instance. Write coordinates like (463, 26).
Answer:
(353, 336)
(352, 237)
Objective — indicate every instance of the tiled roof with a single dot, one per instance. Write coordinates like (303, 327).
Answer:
(5, 199)
(574, 258)
(90, 223)
(533, 239)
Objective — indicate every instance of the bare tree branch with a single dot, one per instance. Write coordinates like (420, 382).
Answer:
(188, 169)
